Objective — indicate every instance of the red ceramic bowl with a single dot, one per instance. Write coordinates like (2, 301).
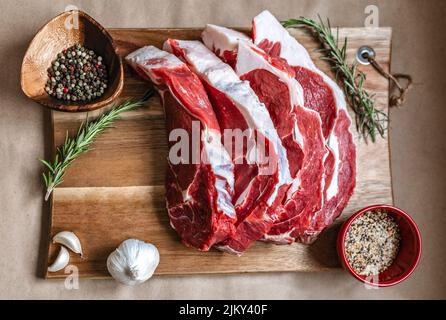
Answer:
(408, 255)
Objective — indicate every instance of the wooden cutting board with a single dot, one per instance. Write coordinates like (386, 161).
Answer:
(116, 191)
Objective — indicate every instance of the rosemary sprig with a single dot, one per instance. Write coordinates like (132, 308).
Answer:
(370, 121)
(87, 133)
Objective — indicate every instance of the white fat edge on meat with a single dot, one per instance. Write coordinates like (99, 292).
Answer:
(333, 189)
(248, 60)
(160, 59)
(298, 137)
(221, 38)
(295, 186)
(227, 249)
(283, 238)
(215, 153)
(142, 55)
(242, 197)
(268, 27)
(222, 76)
(186, 196)
(217, 156)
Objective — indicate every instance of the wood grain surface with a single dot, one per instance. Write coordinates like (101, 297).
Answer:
(116, 191)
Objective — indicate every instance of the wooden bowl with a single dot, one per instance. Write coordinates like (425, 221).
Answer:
(57, 35)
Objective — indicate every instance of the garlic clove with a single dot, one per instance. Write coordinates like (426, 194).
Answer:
(69, 240)
(63, 257)
(133, 262)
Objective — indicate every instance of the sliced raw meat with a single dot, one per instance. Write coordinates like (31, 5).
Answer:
(323, 95)
(238, 107)
(276, 86)
(223, 42)
(199, 188)
(321, 92)
(299, 128)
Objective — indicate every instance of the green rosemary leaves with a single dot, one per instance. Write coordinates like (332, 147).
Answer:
(75, 146)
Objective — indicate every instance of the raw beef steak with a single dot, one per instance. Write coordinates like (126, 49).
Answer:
(299, 128)
(323, 95)
(199, 188)
(237, 107)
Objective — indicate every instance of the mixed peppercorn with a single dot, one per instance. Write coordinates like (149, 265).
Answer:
(372, 242)
(77, 75)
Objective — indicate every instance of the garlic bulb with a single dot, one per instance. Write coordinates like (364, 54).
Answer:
(63, 257)
(133, 262)
(69, 240)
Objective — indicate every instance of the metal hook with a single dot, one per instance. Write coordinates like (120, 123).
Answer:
(363, 53)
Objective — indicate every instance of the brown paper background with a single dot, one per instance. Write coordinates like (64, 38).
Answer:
(417, 134)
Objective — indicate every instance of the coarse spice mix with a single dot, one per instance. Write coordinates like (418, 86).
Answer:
(372, 242)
